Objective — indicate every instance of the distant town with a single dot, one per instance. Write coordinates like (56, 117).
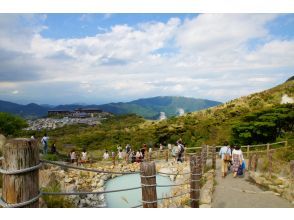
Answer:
(60, 118)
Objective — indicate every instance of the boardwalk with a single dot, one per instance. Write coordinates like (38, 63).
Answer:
(240, 193)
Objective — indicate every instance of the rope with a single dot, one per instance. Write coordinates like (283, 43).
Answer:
(170, 197)
(25, 170)
(21, 204)
(86, 193)
(137, 206)
(148, 185)
(170, 185)
(173, 173)
(149, 176)
(149, 202)
(86, 169)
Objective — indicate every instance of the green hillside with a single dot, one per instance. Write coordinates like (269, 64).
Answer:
(148, 108)
(270, 120)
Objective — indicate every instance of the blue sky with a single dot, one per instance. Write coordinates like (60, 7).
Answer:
(101, 58)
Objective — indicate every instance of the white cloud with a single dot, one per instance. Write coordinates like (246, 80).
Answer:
(210, 58)
(15, 92)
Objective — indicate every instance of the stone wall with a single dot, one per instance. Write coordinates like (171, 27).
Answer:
(282, 186)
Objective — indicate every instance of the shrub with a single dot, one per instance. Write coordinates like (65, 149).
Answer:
(51, 157)
(56, 201)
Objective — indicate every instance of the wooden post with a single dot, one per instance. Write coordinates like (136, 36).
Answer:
(286, 143)
(255, 162)
(270, 164)
(249, 167)
(292, 169)
(166, 155)
(148, 181)
(113, 160)
(267, 148)
(248, 149)
(195, 167)
(19, 154)
(213, 157)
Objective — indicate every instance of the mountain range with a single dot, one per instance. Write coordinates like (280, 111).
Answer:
(149, 108)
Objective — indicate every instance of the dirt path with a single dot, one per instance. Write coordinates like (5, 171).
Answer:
(240, 193)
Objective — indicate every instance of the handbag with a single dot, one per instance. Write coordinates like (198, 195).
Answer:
(227, 157)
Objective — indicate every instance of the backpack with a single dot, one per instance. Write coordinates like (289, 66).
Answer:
(182, 149)
(240, 171)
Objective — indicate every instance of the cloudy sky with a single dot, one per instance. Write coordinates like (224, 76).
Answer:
(101, 58)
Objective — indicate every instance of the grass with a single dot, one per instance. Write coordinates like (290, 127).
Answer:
(56, 201)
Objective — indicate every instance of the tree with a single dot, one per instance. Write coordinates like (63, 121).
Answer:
(264, 126)
(10, 124)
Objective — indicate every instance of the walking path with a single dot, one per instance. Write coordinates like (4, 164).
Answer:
(240, 193)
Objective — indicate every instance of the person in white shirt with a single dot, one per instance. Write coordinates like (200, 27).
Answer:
(84, 156)
(106, 155)
(73, 156)
(44, 142)
(120, 154)
(225, 154)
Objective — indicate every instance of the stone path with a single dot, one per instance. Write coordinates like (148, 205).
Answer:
(240, 193)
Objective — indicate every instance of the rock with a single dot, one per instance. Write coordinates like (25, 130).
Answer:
(71, 188)
(68, 180)
(278, 182)
(101, 183)
(172, 177)
(205, 206)
(205, 197)
(165, 170)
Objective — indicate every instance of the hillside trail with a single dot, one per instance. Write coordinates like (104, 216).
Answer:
(241, 193)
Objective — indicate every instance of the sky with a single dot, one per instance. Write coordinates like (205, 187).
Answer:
(102, 58)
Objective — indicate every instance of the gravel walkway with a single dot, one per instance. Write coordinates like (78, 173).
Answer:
(240, 193)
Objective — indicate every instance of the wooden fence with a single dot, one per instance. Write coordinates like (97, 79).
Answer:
(21, 164)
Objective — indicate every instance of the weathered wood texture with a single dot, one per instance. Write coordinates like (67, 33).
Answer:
(270, 163)
(292, 169)
(213, 157)
(20, 154)
(255, 162)
(148, 181)
(195, 167)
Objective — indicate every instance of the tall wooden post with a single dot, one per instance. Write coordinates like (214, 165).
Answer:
(21, 154)
(270, 163)
(248, 149)
(166, 155)
(213, 157)
(148, 181)
(195, 168)
(292, 169)
(113, 160)
(255, 162)
(250, 162)
(267, 148)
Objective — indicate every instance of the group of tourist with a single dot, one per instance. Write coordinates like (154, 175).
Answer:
(139, 155)
(75, 157)
(232, 160)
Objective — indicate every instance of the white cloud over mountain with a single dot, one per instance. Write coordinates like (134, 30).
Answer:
(211, 56)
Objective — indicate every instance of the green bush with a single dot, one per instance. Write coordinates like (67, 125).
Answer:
(10, 124)
(51, 157)
(56, 201)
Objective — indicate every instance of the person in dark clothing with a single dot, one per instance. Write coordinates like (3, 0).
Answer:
(53, 149)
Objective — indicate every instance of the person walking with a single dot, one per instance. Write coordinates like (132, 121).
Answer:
(44, 142)
(181, 149)
(225, 155)
(237, 158)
